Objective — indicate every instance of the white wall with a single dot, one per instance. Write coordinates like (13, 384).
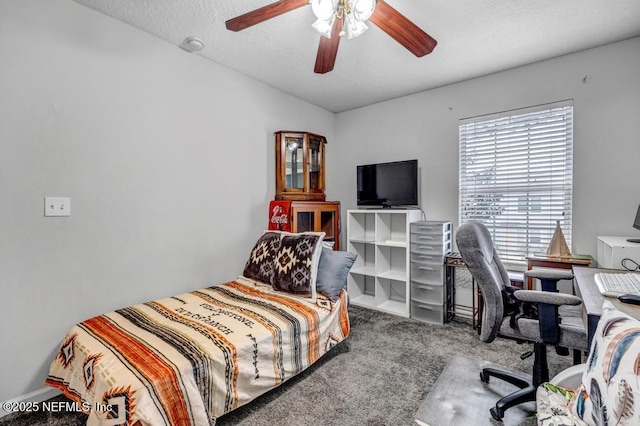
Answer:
(168, 160)
(425, 126)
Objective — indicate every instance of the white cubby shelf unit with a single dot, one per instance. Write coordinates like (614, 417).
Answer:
(379, 278)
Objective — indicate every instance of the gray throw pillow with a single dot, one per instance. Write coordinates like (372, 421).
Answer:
(332, 272)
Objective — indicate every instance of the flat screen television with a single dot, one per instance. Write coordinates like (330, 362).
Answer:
(388, 184)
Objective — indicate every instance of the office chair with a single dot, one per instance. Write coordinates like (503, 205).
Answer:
(557, 326)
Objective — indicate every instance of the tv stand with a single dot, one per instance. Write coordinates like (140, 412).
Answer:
(380, 276)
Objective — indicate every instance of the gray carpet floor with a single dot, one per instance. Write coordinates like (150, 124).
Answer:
(380, 375)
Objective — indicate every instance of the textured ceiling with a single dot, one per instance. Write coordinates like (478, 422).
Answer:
(474, 37)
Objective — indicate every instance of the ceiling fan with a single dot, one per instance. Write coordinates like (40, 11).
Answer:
(332, 15)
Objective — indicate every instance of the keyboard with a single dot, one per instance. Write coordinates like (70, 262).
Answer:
(613, 284)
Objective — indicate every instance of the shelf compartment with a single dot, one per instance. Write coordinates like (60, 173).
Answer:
(363, 300)
(369, 270)
(362, 227)
(391, 229)
(391, 293)
(362, 290)
(393, 307)
(391, 262)
(365, 262)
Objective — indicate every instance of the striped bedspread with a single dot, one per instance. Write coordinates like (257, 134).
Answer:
(188, 359)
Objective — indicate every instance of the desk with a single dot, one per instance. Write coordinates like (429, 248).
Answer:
(585, 287)
(545, 261)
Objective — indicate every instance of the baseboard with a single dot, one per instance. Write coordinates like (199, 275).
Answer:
(36, 396)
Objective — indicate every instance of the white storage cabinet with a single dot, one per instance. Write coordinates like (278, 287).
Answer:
(430, 291)
(379, 278)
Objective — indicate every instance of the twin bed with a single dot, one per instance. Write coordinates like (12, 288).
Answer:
(190, 358)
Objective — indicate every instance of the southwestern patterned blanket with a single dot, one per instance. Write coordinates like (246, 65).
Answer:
(188, 359)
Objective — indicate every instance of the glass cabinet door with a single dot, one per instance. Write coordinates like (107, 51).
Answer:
(305, 221)
(294, 175)
(328, 224)
(314, 164)
(313, 216)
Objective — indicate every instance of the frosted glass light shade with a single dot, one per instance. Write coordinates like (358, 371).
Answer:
(323, 9)
(324, 27)
(362, 9)
(355, 28)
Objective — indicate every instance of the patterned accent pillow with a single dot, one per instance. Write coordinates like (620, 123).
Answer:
(609, 392)
(551, 406)
(296, 264)
(261, 266)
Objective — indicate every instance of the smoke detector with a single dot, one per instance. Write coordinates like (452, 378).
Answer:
(192, 44)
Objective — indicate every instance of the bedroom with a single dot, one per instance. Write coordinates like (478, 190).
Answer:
(140, 135)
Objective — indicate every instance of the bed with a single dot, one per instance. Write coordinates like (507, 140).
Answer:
(190, 358)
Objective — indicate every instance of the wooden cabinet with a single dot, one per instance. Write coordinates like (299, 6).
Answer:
(318, 217)
(299, 166)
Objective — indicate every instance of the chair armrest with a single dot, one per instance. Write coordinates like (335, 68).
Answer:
(550, 274)
(536, 296)
(548, 303)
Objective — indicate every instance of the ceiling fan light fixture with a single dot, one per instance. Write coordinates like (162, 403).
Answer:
(324, 26)
(324, 9)
(362, 9)
(354, 12)
(355, 27)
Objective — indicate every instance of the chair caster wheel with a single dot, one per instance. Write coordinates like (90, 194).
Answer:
(484, 377)
(497, 413)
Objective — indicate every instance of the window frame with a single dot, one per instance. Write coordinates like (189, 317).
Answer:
(516, 176)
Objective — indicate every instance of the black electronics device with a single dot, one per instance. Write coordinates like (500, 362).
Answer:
(388, 184)
(636, 224)
(633, 299)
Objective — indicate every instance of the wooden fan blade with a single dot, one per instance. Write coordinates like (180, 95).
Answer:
(402, 30)
(266, 12)
(328, 49)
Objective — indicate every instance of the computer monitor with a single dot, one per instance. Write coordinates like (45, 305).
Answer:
(636, 224)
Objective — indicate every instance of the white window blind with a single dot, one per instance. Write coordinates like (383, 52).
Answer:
(516, 176)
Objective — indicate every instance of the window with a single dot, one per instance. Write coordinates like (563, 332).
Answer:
(516, 176)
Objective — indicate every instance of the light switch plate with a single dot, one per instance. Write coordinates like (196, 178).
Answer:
(57, 206)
